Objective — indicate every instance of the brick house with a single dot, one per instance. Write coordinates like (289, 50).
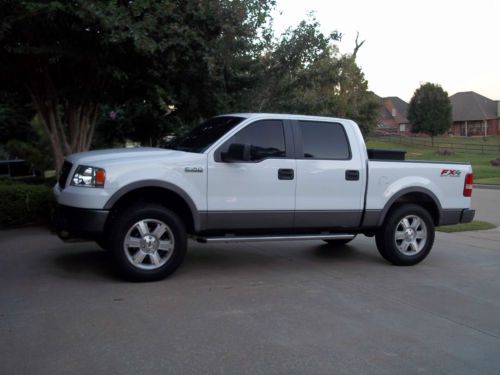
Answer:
(392, 117)
(474, 115)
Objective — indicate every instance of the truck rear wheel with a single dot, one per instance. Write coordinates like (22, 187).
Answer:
(407, 235)
(148, 242)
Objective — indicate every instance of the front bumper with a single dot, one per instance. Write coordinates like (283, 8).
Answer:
(78, 223)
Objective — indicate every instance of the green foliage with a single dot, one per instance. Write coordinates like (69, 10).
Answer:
(35, 149)
(142, 121)
(22, 203)
(304, 73)
(74, 56)
(430, 110)
(15, 116)
(21, 134)
(78, 61)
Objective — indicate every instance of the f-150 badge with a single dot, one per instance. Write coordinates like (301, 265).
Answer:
(451, 173)
(194, 169)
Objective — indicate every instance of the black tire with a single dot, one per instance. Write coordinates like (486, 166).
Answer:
(406, 243)
(338, 243)
(139, 240)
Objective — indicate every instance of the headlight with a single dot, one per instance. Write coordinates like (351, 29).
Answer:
(89, 177)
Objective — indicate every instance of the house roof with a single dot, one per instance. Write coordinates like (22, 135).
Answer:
(470, 106)
(401, 107)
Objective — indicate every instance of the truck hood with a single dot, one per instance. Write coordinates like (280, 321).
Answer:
(123, 155)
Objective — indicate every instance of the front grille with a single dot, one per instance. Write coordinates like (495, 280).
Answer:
(63, 175)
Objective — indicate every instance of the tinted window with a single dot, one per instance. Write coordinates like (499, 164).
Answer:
(266, 139)
(324, 140)
(205, 134)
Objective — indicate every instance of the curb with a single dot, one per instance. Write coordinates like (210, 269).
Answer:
(484, 186)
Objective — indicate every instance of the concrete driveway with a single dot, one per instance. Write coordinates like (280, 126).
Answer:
(262, 308)
(487, 204)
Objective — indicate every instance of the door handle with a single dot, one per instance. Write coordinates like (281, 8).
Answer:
(352, 175)
(285, 174)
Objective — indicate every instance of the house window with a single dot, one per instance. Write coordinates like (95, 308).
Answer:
(475, 128)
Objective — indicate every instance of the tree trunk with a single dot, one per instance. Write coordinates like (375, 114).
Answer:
(357, 47)
(69, 127)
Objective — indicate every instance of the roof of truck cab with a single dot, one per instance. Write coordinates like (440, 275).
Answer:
(287, 116)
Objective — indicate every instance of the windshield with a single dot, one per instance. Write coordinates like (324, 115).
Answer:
(205, 134)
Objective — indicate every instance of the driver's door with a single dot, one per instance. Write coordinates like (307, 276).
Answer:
(255, 193)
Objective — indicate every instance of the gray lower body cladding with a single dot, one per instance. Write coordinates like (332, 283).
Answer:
(234, 220)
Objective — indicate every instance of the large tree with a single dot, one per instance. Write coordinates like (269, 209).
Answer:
(73, 56)
(128, 62)
(304, 73)
(430, 110)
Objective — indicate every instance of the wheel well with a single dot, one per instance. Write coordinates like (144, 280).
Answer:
(157, 195)
(420, 199)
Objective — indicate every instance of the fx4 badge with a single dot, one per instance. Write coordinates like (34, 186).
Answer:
(194, 169)
(451, 173)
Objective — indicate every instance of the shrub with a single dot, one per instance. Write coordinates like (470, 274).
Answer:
(22, 203)
(36, 180)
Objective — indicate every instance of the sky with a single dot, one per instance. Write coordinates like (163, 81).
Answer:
(455, 44)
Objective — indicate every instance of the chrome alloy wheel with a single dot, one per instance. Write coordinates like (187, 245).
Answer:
(149, 244)
(410, 235)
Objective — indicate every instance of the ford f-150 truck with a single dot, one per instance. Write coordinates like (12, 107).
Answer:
(256, 177)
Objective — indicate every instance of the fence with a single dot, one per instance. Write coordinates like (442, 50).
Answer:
(439, 144)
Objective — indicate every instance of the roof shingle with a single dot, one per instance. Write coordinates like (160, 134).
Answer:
(470, 106)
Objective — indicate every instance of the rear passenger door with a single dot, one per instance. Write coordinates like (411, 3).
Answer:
(330, 184)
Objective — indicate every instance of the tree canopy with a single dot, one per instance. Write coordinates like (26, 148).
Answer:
(430, 110)
(71, 57)
(126, 65)
(304, 73)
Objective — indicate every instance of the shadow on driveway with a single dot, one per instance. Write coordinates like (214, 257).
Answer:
(84, 264)
(86, 261)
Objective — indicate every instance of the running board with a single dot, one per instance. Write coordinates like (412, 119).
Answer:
(293, 237)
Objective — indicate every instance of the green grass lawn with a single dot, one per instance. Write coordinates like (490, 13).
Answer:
(484, 172)
(490, 142)
(474, 225)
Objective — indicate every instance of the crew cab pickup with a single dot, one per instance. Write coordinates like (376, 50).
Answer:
(256, 177)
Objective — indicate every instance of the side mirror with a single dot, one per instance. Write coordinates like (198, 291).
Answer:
(236, 152)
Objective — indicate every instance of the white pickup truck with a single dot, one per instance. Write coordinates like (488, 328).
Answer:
(256, 177)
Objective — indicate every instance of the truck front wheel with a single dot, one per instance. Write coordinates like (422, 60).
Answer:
(407, 235)
(148, 242)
